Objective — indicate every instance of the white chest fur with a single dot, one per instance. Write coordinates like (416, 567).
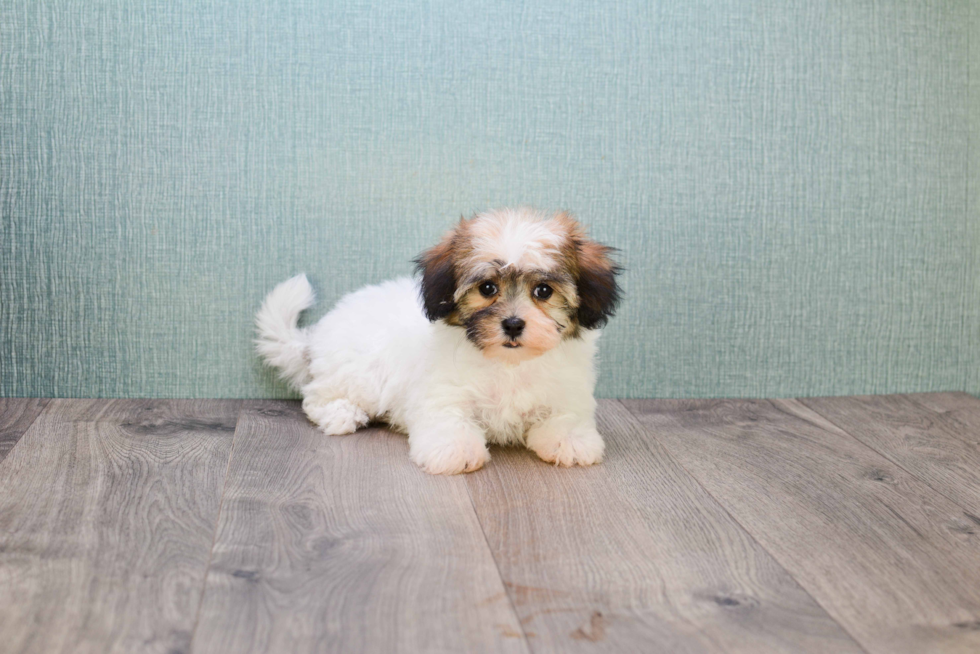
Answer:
(506, 401)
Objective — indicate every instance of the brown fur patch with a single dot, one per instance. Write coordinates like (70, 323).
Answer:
(595, 273)
(597, 287)
(437, 267)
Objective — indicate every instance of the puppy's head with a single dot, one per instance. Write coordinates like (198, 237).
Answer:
(518, 282)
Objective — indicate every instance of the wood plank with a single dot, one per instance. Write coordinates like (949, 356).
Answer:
(342, 544)
(633, 555)
(960, 412)
(107, 513)
(16, 415)
(924, 443)
(882, 552)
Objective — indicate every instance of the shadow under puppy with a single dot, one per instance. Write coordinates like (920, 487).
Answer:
(494, 341)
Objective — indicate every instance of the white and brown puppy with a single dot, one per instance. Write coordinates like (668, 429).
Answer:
(494, 341)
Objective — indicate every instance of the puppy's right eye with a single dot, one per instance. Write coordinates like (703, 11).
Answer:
(488, 289)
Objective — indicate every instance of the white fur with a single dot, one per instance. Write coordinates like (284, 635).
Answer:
(280, 342)
(376, 356)
(519, 237)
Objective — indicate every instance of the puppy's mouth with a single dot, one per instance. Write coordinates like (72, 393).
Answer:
(512, 344)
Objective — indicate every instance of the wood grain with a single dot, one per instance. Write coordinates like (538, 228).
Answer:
(881, 551)
(926, 444)
(16, 415)
(341, 544)
(634, 556)
(960, 412)
(107, 513)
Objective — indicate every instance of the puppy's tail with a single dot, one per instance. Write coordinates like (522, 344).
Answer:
(281, 343)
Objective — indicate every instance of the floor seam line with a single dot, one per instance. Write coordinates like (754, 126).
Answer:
(944, 415)
(20, 439)
(217, 524)
(496, 565)
(748, 533)
(888, 458)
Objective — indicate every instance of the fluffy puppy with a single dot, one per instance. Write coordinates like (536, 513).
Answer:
(494, 341)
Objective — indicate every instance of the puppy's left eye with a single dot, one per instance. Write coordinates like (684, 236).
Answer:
(542, 291)
(488, 289)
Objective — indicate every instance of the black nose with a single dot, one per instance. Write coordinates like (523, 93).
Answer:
(513, 327)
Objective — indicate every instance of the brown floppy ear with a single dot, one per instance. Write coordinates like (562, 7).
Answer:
(438, 279)
(598, 291)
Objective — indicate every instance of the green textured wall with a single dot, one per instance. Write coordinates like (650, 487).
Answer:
(792, 183)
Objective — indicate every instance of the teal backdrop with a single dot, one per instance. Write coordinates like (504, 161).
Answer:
(793, 183)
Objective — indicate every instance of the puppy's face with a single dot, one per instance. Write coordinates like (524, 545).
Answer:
(518, 282)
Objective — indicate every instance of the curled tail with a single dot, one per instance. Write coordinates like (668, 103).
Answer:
(281, 343)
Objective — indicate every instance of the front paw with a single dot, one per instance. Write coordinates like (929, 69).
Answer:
(575, 446)
(448, 454)
(335, 417)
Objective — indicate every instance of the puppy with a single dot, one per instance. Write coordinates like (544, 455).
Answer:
(494, 341)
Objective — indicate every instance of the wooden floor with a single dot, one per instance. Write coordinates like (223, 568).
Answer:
(817, 525)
